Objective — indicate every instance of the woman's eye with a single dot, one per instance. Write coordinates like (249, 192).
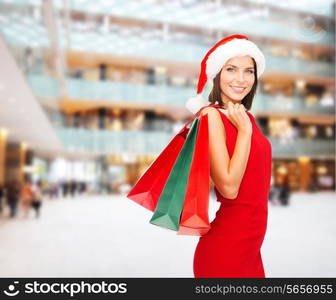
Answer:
(231, 69)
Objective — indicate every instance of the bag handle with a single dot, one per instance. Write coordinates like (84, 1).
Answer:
(185, 127)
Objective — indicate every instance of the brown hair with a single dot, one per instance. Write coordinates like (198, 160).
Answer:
(215, 94)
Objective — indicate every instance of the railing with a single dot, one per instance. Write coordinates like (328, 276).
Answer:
(302, 147)
(47, 87)
(140, 142)
(114, 142)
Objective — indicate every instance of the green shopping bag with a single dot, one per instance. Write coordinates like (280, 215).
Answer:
(169, 207)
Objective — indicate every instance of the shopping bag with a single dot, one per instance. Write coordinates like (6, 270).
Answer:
(195, 219)
(149, 186)
(168, 210)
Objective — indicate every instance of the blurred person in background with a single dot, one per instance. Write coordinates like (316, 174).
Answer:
(2, 196)
(13, 196)
(44, 186)
(73, 188)
(272, 192)
(27, 197)
(312, 186)
(82, 187)
(37, 198)
(284, 192)
(53, 190)
(65, 188)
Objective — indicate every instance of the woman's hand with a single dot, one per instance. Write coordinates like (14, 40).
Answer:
(239, 118)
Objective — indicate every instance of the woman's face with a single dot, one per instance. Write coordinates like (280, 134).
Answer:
(237, 78)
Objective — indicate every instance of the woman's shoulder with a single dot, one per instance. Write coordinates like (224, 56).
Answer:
(213, 109)
(208, 110)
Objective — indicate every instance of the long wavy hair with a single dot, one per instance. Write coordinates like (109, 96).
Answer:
(215, 94)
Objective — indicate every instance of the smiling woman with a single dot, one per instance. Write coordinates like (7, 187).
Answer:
(239, 154)
(236, 82)
(238, 61)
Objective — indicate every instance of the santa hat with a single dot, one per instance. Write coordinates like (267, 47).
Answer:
(213, 61)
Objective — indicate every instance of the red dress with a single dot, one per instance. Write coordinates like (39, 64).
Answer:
(231, 248)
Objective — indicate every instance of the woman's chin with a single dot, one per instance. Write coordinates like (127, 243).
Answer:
(236, 97)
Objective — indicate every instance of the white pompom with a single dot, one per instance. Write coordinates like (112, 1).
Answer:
(194, 104)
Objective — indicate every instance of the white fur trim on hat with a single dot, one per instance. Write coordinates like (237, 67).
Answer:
(194, 104)
(235, 47)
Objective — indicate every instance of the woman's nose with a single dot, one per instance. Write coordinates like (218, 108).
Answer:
(240, 77)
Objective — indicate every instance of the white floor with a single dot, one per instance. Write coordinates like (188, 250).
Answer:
(110, 236)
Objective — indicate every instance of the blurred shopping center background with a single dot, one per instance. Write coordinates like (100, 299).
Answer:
(92, 91)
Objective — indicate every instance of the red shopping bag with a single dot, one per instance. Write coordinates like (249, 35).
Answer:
(168, 210)
(148, 188)
(195, 219)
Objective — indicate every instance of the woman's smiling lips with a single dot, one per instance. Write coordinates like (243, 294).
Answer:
(237, 90)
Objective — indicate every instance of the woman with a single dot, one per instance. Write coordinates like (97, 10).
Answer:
(13, 196)
(240, 162)
(284, 193)
(27, 197)
(37, 198)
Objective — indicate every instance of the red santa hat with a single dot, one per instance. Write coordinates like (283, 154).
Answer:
(216, 57)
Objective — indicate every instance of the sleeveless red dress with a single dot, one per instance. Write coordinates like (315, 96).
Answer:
(231, 248)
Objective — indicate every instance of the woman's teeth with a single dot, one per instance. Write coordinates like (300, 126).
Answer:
(237, 89)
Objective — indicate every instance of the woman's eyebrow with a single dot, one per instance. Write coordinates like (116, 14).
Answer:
(236, 66)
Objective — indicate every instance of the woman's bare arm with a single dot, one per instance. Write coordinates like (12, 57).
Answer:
(226, 174)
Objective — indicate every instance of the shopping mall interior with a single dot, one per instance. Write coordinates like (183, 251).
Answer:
(92, 91)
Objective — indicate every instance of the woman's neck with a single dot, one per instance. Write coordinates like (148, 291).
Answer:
(225, 99)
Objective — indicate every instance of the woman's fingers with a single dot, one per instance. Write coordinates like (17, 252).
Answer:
(234, 112)
(238, 116)
(231, 113)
